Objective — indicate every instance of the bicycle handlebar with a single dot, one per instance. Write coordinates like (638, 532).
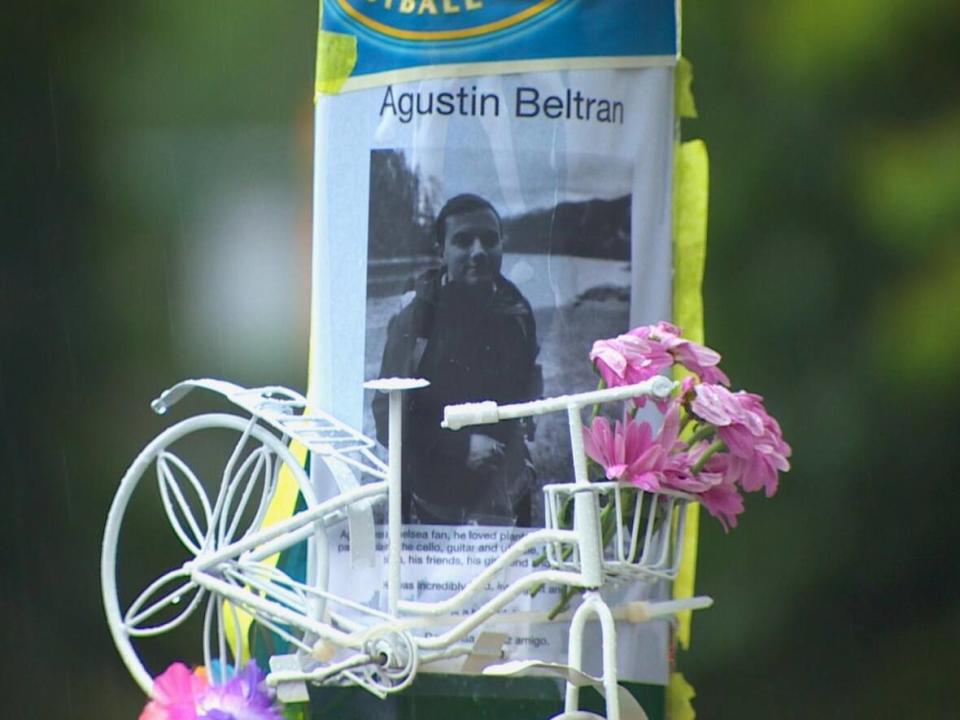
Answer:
(482, 413)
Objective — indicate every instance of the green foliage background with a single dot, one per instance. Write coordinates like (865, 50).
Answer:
(832, 288)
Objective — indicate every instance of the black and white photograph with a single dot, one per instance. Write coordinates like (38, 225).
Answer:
(490, 275)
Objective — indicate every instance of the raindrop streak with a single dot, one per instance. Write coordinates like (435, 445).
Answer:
(53, 117)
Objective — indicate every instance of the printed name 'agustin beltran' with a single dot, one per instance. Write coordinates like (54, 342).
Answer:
(528, 102)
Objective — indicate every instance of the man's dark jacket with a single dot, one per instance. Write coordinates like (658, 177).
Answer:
(471, 347)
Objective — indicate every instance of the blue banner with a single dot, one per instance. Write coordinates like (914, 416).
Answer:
(402, 34)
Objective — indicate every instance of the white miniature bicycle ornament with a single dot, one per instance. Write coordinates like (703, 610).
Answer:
(228, 574)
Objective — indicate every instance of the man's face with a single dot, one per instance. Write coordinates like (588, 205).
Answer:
(472, 249)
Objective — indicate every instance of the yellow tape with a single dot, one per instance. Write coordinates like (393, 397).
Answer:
(281, 507)
(336, 58)
(690, 186)
(679, 695)
(686, 106)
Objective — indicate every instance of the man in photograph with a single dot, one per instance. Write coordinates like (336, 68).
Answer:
(469, 331)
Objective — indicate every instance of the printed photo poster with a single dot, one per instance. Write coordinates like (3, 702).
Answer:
(481, 233)
(490, 275)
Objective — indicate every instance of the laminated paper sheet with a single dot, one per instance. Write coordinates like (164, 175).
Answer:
(493, 193)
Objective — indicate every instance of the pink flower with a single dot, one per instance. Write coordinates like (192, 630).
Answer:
(628, 452)
(761, 469)
(713, 485)
(693, 356)
(677, 475)
(724, 502)
(754, 439)
(628, 359)
(648, 350)
(175, 694)
(678, 472)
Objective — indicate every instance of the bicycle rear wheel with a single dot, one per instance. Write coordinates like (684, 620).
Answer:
(200, 485)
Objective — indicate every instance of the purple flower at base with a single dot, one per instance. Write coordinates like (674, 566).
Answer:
(754, 439)
(179, 694)
(243, 697)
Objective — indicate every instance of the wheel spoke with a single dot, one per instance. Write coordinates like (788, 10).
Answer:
(214, 643)
(268, 582)
(154, 600)
(271, 473)
(207, 618)
(237, 630)
(255, 469)
(278, 630)
(221, 642)
(217, 650)
(231, 463)
(174, 499)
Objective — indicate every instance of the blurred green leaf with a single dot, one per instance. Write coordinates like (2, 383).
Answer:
(814, 42)
(917, 334)
(909, 184)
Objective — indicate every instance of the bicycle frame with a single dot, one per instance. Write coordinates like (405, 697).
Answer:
(236, 574)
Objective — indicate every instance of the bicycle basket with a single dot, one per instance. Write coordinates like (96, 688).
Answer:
(642, 530)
